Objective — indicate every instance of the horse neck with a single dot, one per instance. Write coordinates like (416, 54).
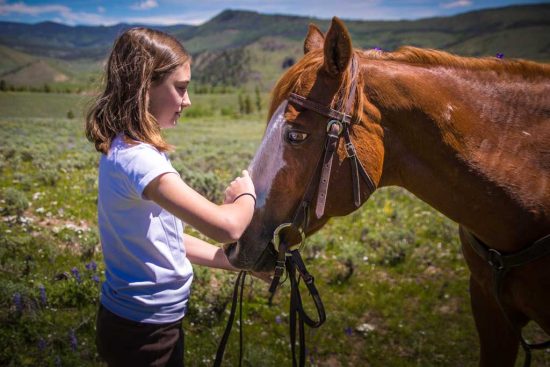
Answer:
(469, 145)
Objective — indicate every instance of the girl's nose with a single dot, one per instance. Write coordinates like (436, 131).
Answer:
(185, 102)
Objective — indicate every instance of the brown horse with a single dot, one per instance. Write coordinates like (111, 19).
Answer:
(471, 137)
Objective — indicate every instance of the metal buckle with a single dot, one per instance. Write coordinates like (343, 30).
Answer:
(339, 123)
(277, 238)
(350, 150)
(495, 259)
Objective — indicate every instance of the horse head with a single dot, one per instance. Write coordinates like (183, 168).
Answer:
(287, 162)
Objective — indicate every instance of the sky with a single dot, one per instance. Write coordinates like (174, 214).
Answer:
(196, 12)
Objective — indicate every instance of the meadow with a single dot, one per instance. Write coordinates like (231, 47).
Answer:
(391, 275)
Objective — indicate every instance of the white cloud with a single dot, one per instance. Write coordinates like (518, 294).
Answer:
(145, 5)
(457, 4)
(162, 20)
(100, 9)
(22, 8)
(61, 13)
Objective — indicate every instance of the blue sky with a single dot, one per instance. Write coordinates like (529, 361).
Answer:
(165, 12)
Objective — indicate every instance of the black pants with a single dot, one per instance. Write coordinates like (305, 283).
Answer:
(121, 342)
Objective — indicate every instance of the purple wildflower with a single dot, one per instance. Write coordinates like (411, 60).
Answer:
(377, 49)
(500, 55)
(18, 302)
(73, 340)
(278, 319)
(91, 266)
(95, 278)
(348, 331)
(43, 298)
(76, 274)
(42, 344)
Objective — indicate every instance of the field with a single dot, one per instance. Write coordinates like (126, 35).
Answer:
(391, 275)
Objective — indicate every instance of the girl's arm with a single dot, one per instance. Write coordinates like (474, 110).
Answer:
(200, 252)
(223, 223)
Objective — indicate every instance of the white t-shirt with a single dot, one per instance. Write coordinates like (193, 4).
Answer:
(148, 276)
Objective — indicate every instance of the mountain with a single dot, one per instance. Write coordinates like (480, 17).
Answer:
(248, 48)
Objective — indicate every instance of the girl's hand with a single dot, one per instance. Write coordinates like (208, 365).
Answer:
(239, 186)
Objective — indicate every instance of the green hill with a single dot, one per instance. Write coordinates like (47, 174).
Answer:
(248, 48)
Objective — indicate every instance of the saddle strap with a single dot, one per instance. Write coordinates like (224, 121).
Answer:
(500, 265)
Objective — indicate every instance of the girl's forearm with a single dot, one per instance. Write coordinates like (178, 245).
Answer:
(203, 253)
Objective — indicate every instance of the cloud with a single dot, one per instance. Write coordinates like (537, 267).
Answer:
(22, 8)
(145, 5)
(60, 13)
(457, 4)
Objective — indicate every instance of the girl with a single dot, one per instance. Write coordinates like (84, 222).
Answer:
(143, 204)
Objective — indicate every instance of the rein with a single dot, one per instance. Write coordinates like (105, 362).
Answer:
(288, 255)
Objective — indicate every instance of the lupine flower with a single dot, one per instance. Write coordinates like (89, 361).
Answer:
(278, 319)
(17, 301)
(76, 274)
(42, 344)
(92, 266)
(377, 49)
(42, 294)
(348, 331)
(73, 340)
(500, 55)
(95, 278)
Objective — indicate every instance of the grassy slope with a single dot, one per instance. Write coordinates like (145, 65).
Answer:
(409, 281)
(516, 31)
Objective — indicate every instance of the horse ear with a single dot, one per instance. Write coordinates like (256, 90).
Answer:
(314, 39)
(338, 49)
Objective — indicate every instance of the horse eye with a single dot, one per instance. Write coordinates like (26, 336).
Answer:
(296, 137)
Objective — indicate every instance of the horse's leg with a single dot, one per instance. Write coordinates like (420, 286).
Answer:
(498, 342)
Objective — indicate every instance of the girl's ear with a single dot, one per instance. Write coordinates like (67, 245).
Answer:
(314, 39)
(337, 48)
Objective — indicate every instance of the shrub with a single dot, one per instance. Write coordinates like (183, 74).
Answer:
(48, 176)
(207, 183)
(15, 202)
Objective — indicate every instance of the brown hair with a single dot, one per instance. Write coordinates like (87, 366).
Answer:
(140, 57)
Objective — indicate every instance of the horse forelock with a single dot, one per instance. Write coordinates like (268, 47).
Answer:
(302, 75)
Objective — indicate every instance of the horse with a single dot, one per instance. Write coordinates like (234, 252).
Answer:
(469, 136)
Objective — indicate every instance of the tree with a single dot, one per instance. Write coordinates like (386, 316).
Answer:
(247, 105)
(3, 85)
(258, 99)
(241, 104)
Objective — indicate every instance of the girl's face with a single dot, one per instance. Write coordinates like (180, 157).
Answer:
(169, 97)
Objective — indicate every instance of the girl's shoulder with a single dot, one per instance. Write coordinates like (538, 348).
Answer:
(122, 145)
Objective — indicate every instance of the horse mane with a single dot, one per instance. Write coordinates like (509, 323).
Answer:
(294, 79)
(429, 57)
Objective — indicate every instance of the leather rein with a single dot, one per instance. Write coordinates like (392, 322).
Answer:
(288, 255)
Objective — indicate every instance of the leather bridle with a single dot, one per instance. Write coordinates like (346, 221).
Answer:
(288, 255)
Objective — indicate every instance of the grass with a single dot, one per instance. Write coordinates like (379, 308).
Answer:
(391, 274)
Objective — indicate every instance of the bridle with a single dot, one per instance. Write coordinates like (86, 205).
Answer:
(288, 255)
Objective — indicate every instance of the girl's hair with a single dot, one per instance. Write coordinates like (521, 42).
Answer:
(140, 57)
